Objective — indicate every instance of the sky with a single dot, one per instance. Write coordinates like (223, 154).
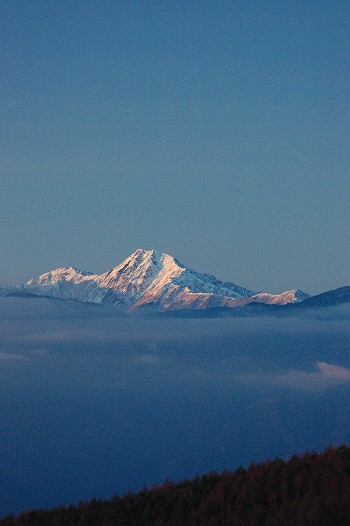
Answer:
(216, 131)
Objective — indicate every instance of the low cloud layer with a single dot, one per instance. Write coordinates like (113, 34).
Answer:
(325, 375)
(93, 402)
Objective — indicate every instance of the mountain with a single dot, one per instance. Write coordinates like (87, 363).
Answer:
(331, 297)
(148, 279)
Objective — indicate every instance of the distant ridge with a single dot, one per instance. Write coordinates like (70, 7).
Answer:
(331, 297)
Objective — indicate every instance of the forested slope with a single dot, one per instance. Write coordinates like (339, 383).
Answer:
(313, 489)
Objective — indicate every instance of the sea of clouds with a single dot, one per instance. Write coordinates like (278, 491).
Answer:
(94, 402)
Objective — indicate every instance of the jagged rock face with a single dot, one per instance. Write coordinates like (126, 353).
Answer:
(149, 278)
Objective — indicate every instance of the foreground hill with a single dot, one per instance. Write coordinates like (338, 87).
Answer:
(313, 489)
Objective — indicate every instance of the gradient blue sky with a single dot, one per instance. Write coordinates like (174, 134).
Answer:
(217, 131)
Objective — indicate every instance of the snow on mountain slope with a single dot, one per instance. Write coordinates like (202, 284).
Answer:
(147, 278)
(289, 296)
(172, 286)
(65, 283)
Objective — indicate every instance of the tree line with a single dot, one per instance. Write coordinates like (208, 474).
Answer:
(307, 490)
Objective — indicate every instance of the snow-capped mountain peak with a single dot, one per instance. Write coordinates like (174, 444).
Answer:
(148, 277)
(142, 271)
(59, 274)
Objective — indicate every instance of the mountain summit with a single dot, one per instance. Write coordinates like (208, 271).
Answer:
(148, 278)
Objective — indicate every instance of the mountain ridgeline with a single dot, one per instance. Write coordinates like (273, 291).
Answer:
(148, 279)
(154, 281)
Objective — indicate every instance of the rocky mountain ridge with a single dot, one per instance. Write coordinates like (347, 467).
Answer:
(148, 278)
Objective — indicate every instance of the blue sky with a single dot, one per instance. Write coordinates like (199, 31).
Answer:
(214, 131)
